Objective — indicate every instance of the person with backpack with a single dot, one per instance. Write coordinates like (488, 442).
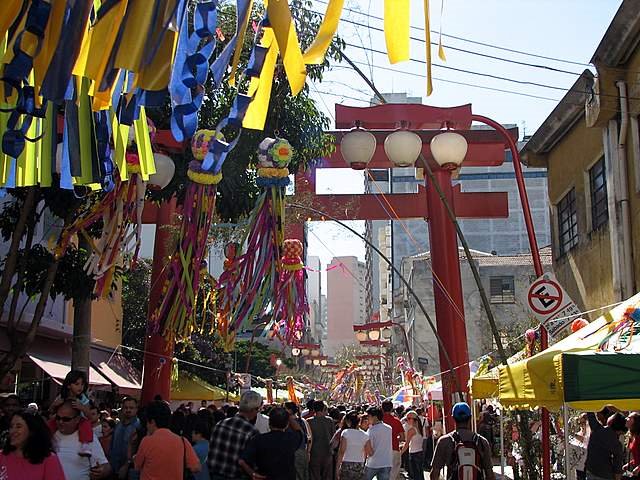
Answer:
(466, 454)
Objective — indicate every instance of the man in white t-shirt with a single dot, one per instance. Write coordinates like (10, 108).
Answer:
(67, 444)
(379, 447)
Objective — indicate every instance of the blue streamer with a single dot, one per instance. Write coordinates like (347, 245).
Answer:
(219, 66)
(191, 68)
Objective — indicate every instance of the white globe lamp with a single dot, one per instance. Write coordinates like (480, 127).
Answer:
(403, 147)
(357, 148)
(374, 334)
(165, 168)
(449, 149)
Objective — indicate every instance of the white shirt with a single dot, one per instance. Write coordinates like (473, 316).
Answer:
(262, 423)
(97, 430)
(355, 445)
(76, 467)
(380, 437)
(415, 444)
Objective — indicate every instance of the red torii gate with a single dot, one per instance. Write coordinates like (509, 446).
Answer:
(486, 148)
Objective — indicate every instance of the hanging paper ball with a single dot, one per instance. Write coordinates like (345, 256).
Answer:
(578, 323)
(201, 141)
(133, 162)
(292, 249)
(281, 153)
(530, 335)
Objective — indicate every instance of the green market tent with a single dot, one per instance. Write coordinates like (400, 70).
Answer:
(589, 377)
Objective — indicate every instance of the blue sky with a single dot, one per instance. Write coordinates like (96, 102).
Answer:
(563, 29)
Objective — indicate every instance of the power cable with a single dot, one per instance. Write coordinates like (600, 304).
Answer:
(463, 50)
(495, 77)
(468, 40)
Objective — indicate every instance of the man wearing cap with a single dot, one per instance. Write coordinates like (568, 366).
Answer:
(445, 454)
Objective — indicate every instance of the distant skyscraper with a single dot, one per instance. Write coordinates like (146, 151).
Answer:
(314, 292)
(345, 301)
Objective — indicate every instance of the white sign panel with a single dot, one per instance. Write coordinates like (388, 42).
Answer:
(550, 304)
(244, 380)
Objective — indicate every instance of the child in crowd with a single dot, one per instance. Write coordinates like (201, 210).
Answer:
(74, 388)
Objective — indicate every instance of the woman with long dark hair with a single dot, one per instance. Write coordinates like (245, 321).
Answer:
(28, 454)
(414, 436)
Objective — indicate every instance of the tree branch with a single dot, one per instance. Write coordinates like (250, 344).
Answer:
(12, 255)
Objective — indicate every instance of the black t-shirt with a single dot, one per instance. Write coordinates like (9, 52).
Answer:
(272, 454)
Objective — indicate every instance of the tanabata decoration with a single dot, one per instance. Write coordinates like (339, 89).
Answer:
(120, 210)
(252, 282)
(578, 323)
(175, 317)
(290, 300)
(225, 297)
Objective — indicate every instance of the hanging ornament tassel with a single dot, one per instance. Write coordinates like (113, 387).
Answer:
(251, 284)
(291, 303)
(175, 317)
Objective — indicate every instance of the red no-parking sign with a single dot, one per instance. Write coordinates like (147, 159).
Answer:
(550, 304)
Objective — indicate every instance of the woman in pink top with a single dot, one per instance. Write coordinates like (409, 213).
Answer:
(28, 454)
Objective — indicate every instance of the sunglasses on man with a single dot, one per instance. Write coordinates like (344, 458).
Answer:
(65, 419)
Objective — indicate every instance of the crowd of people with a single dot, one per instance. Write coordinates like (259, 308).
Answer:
(75, 439)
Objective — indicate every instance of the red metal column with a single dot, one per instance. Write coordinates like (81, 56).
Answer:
(156, 373)
(447, 288)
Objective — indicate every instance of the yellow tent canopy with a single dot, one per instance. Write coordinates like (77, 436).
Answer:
(190, 387)
(538, 381)
(485, 384)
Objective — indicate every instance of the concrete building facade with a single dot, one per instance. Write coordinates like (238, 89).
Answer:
(345, 301)
(505, 278)
(590, 144)
(314, 292)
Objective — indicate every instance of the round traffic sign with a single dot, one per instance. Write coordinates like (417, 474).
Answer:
(545, 296)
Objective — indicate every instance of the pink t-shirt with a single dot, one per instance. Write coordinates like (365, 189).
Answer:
(13, 467)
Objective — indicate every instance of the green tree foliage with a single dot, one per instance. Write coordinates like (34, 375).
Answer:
(136, 284)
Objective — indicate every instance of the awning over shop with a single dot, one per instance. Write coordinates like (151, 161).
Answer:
(190, 387)
(539, 382)
(590, 377)
(54, 358)
(117, 370)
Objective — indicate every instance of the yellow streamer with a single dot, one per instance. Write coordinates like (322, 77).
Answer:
(317, 50)
(427, 39)
(102, 38)
(137, 32)
(143, 142)
(396, 29)
(287, 38)
(260, 88)
(239, 44)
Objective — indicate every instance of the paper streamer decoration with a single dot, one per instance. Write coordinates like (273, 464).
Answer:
(396, 29)
(175, 317)
(251, 284)
(120, 211)
(314, 55)
(291, 303)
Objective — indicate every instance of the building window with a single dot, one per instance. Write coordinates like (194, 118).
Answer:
(502, 290)
(567, 222)
(598, 188)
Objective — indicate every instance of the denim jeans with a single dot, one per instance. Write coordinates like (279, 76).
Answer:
(379, 473)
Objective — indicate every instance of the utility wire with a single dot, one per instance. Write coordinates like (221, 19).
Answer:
(463, 50)
(468, 40)
(495, 77)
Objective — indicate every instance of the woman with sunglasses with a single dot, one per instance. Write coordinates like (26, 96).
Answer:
(414, 436)
(28, 453)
